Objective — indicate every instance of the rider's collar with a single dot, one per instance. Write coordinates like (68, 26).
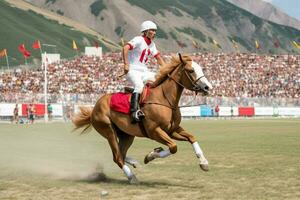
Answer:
(147, 40)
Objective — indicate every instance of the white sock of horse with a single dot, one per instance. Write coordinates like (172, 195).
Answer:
(127, 171)
(164, 153)
(199, 152)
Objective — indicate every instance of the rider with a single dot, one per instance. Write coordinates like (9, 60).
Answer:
(135, 56)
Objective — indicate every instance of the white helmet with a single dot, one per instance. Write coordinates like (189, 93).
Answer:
(147, 25)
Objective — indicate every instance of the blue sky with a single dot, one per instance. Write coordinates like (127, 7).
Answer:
(291, 7)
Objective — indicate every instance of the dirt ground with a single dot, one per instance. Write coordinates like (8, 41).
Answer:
(249, 159)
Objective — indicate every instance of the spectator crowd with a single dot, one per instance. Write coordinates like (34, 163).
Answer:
(232, 75)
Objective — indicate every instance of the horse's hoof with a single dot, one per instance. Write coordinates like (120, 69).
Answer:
(133, 180)
(204, 167)
(146, 159)
(151, 156)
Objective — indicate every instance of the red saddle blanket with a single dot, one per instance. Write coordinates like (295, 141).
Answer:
(120, 102)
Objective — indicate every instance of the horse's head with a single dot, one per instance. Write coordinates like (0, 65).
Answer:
(185, 72)
(193, 77)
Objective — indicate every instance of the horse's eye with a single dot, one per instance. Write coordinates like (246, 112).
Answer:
(191, 71)
(189, 68)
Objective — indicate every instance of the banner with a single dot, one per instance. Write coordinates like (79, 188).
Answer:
(7, 109)
(246, 111)
(39, 109)
(206, 111)
(190, 111)
(228, 111)
(264, 111)
(93, 51)
(289, 111)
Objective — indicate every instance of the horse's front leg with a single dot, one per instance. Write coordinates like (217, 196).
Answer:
(183, 135)
(162, 137)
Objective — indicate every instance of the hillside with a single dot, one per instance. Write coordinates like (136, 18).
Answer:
(180, 23)
(25, 26)
(267, 11)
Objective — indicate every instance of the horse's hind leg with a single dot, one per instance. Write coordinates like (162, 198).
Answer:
(125, 141)
(112, 139)
(182, 135)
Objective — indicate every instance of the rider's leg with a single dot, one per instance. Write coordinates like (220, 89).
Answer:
(139, 81)
(136, 113)
(135, 78)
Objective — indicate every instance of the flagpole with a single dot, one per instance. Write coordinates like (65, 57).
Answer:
(41, 50)
(25, 60)
(7, 61)
(45, 88)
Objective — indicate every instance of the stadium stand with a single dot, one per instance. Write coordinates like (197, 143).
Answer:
(232, 75)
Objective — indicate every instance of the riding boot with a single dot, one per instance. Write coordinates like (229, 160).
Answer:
(136, 113)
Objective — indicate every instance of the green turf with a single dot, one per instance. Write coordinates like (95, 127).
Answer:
(249, 159)
(24, 27)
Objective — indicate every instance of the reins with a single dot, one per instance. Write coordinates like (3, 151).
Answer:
(170, 76)
(195, 87)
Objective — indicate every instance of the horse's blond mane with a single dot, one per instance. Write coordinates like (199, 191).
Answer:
(168, 67)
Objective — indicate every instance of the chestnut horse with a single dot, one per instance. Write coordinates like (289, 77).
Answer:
(162, 121)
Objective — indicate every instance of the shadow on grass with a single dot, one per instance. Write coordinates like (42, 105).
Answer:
(102, 178)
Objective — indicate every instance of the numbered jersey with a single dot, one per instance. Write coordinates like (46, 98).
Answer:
(140, 50)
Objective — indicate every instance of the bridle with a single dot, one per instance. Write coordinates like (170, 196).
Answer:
(195, 87)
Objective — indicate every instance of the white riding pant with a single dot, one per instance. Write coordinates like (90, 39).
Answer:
(139, 77)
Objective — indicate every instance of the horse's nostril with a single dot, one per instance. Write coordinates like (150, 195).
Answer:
(206, 88)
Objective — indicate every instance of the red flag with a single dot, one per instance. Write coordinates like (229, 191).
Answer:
(96, 44)
(26, 54)
(36, 45)
(277, 44)
(21, 48)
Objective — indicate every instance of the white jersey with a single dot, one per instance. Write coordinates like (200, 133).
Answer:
(140, 50)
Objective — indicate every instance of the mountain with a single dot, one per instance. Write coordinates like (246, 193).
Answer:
(267, 11)
(25, 26)
(181, 23)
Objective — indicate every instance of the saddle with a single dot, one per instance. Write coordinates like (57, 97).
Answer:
(120, 101)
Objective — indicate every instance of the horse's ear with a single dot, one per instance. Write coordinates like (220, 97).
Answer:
(180, 58)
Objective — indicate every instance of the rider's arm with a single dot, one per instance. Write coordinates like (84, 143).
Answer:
(160, 60)
(125, 58)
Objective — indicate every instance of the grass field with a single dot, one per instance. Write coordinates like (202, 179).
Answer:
(249, 159)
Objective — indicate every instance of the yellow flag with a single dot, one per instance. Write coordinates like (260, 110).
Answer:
(296, 44)
(235, 44)
(74, 45)
(257, 46)
(3, 53)
(195, 44)
(216, 44)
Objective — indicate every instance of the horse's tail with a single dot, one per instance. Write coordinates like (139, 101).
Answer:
(83, 119)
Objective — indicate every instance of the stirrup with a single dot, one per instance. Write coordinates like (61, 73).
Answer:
(140, 114)
(137, 116)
